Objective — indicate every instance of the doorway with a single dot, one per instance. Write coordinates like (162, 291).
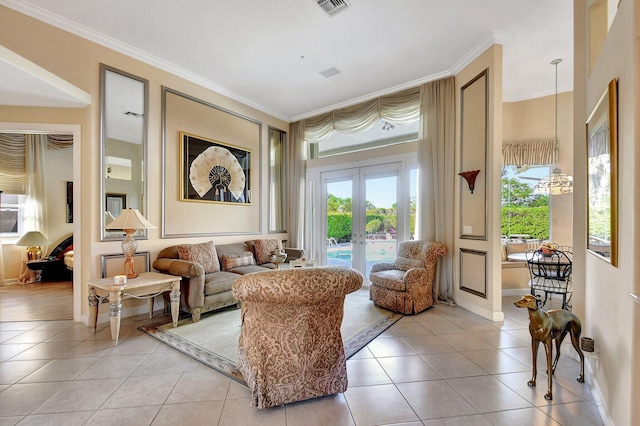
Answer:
(75, 130)
(364, 213)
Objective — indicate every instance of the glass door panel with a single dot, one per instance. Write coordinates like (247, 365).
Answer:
(381, 206)
(338, 214)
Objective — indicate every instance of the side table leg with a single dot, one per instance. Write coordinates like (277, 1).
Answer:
(115, 307)
(174, 297)
(150, 303)
(93, 309)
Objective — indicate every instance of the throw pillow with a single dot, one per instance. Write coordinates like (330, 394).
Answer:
(234, 260)
(515, 247)
(264, 248)
(205, 254)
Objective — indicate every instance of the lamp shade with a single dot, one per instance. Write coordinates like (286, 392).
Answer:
(33, 238)
(130, 219)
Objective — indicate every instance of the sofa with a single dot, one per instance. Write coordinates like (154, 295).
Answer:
(290, 347)
(208, 270)
(406, 285)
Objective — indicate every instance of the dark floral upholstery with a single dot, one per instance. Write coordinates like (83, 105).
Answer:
(406, 285)
(290, 346)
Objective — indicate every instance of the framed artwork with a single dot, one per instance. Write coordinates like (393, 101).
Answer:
(602, 177)
(214, 171)
(113, 264)
(69, 202)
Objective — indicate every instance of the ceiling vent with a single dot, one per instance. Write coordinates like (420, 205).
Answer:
(332, 6)
(330, 72)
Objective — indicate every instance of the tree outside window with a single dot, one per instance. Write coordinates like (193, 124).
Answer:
(524, 211)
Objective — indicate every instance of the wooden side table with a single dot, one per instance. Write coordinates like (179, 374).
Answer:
(146, 286)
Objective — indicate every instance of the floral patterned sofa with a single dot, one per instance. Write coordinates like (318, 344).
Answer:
(406, 285)
(290, 346)
(208, 270)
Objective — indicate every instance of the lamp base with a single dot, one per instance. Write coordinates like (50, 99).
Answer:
(129, 247)
(34, 253)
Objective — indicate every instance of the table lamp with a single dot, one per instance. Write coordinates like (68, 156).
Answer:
(129, 220)
(33, 240)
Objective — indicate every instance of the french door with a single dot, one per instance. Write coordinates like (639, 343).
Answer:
(361, 216)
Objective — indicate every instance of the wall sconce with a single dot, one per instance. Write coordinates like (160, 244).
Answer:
(470, 177)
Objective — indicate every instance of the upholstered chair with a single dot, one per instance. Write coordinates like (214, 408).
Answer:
(406, 285)
(290, 346)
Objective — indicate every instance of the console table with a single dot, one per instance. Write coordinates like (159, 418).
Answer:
(146, 286)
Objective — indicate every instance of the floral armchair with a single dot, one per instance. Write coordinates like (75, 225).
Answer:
(290, 346)
(406, 285)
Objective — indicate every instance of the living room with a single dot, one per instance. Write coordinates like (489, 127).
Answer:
(598, 306)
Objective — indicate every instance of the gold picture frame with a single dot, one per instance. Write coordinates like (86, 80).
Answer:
(602, 177)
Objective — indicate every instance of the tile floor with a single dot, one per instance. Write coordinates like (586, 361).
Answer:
(445, 366)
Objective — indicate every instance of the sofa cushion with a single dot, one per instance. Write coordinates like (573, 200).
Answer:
(234, 260)
(406, 263)
(264, 248)
(392, 279)
(219, 282)
(204, 254)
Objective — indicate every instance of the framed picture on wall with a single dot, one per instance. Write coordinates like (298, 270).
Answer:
(213, 171)
(113, 264)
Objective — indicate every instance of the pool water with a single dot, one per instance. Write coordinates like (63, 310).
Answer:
(377, 251)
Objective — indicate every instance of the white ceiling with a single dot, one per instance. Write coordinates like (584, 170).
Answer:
(269, 54)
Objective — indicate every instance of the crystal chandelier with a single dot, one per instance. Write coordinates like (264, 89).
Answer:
(557, 183)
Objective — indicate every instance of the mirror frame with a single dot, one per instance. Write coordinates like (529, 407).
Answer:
(140, 234)
(604, 119)
(282, 136)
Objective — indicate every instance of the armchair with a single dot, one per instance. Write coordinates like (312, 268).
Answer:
(406, 285)
(290, 346)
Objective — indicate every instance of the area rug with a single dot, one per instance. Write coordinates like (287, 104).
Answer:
(214, 339)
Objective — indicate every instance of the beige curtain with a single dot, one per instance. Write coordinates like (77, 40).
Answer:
(436, 176)
(530, 153)
(398, 108)
(12, 152)
(296, 182)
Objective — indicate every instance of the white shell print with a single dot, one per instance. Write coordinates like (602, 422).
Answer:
(218, 168)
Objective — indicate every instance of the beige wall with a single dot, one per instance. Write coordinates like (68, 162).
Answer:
(601, 291)
(535, 119)
(491, 306)
(77, 61)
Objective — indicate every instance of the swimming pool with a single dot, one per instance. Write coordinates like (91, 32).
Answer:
(376, 251)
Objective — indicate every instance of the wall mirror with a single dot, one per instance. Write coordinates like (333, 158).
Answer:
(602, 177)
(124, 106)
(277, 181)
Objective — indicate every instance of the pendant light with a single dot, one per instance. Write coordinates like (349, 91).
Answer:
(557, 183)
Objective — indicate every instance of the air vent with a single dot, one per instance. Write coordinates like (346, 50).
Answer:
(330, 72)
(332, 6)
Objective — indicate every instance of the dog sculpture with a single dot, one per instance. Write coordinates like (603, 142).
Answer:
(545, 327)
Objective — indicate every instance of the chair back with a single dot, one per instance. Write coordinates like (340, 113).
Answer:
(418, 254)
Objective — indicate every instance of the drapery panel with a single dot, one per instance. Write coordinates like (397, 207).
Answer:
(399, 108)
(436, 173)
(296, 184)
(530, 153)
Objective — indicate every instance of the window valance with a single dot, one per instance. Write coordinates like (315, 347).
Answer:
(13, 159)
(399, 108)
(531, 153)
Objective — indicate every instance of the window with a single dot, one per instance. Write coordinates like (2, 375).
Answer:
(523, 211)
(382, 133)
(11, 214)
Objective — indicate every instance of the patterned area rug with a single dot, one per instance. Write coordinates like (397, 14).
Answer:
(214, 339)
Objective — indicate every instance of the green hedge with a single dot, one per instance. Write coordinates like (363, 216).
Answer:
(526, 220)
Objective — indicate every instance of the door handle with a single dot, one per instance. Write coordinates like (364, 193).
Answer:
(635, 297)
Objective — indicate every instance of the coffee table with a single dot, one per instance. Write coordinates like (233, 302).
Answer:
(146, 286)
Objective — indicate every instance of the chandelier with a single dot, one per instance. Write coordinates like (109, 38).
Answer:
(557, 183)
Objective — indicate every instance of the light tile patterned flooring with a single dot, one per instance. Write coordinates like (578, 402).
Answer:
(445, 366)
